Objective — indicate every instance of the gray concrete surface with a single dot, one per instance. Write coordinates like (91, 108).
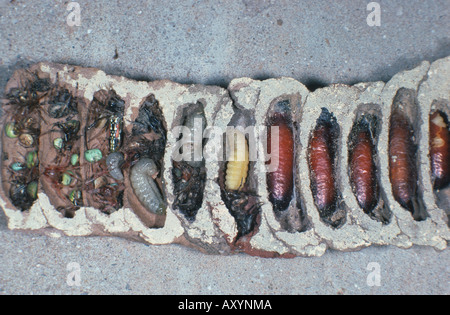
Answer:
(211, 42)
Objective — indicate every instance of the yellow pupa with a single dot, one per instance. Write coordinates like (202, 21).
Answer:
(238, 161)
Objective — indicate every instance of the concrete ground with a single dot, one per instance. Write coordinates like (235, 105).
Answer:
(211, 42)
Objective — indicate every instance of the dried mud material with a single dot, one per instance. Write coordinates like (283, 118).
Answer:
(86, 153)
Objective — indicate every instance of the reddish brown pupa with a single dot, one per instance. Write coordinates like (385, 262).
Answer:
(322, 152)
(403, 156)
(280, 182)
(440, 149)
(363, 171)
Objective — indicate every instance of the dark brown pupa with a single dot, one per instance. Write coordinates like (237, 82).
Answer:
(440, 149)
(363, 170)
(322, 160)
(280, 182)
(403, 168)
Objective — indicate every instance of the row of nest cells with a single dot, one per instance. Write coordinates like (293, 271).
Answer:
(362, 160)
(189, 176)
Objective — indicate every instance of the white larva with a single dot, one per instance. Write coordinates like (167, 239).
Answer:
(145, 187)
